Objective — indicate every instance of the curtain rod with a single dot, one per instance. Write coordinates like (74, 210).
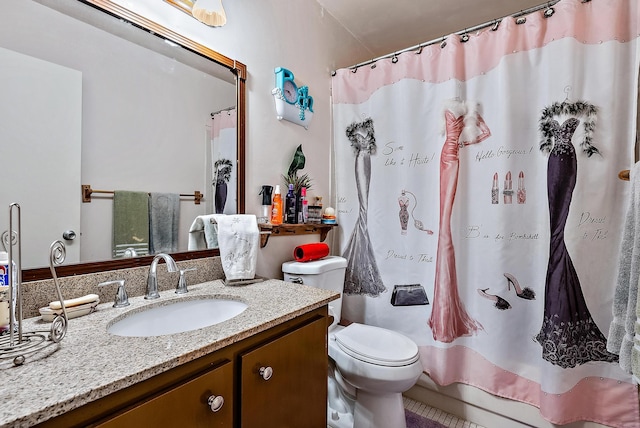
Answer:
(224, 109)
(464, 33)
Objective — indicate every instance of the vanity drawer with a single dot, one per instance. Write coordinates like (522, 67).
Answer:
(185, 405)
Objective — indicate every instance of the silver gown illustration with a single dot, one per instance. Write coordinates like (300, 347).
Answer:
(362, 275)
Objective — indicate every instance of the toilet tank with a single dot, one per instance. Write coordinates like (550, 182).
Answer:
(326, 273)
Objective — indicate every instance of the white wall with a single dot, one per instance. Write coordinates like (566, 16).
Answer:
(264, 34)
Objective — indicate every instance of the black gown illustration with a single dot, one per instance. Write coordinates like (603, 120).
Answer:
(569, 336)
(362, 275)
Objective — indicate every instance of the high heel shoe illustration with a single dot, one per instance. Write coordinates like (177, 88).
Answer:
(525, 293)
(500, 303)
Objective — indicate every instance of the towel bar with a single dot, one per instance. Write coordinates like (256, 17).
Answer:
(87, 191)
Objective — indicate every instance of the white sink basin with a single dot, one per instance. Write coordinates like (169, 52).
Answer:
(177, 317)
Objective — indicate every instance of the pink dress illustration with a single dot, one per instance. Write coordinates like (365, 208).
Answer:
(449, 319)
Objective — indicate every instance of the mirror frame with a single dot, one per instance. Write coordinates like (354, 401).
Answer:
(235, 67)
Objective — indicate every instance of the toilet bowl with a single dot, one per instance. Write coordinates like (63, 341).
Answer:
(370, 366)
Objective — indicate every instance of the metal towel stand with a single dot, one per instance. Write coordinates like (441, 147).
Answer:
(18, 348)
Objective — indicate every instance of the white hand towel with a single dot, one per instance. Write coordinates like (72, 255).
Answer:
(203, 233)
(239, 239)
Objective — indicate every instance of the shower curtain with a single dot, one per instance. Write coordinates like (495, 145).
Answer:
(483, 170)
(223, 162)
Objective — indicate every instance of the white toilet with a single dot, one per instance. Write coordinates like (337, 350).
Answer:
(370, 367)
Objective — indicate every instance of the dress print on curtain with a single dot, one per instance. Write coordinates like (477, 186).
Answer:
(362, 275)
(569, 336)
(449, 318)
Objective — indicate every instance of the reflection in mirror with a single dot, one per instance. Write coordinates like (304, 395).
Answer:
(97, 104)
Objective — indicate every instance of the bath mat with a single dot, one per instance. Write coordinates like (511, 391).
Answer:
(417, 421)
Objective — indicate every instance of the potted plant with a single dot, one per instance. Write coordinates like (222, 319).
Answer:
(292, 177)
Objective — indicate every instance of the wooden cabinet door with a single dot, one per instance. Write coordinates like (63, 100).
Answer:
(185, 405)
(296, 393)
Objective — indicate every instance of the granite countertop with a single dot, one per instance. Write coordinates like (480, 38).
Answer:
(90, 363)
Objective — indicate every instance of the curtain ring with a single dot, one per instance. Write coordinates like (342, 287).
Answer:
(548, 13)
(419, 51)
(373, 65)
(464, 38)
(333, 72)
(443, 43)
(521, 20)
(495, 25)
(354, 70)
(394, 58)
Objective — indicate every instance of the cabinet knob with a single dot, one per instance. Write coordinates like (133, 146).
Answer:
(266, 372)
(215, 402)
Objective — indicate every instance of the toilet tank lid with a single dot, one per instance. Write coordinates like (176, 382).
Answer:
(315, 267)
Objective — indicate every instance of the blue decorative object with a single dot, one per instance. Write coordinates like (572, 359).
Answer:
(292, 103)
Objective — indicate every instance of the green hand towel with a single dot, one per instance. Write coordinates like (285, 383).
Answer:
(130, 222)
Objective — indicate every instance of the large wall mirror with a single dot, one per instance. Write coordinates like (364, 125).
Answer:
(96, 100)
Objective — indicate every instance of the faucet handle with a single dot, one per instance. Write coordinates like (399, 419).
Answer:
(181, 288)
(121, 299)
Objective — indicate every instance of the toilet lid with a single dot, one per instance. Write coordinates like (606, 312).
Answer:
(377, 345)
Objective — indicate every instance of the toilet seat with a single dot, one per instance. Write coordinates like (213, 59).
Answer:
(376, 345)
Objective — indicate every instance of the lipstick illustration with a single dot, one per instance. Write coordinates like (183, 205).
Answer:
(508, 190)
(522, 192)
(494, 189)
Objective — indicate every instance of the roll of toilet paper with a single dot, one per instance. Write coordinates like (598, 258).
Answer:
(309, 252)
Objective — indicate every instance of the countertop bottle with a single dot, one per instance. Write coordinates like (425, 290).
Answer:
(4, 268)
(276, 210)
(267, 204)
(303, 206)
(7, 304)
(290, 206)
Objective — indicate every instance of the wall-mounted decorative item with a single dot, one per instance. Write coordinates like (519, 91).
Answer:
(209, 12)
(293, 103)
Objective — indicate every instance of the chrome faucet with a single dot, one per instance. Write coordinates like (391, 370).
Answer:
(152, 279)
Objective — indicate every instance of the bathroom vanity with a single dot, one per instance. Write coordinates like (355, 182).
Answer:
(264, 367)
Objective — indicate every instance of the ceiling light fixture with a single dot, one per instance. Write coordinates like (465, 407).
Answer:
(209, 12)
